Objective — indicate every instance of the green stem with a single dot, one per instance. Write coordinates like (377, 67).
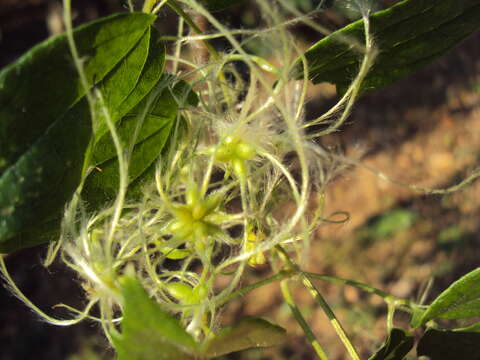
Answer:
(148, 6)
(175, 6)
(390, 315)
(282, 275)
(389, 299)
(85, 83)
(331, 316)
(322, 302)
(301, 321)
(293, 270)
(178, 45)
(130, 6)
(236, 278)
(398, 303)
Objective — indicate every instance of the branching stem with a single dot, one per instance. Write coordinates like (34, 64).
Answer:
(301, 321)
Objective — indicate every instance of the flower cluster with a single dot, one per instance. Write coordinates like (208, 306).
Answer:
(211, 208)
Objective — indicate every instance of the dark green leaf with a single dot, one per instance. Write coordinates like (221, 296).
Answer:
(446, 345)
(44, 83)
(133, 79)
(397, 346)
(249, 333)
(218, 5)
(409, 35)
(102, 184)
(184, 95)
(148, 332)
(36, 187)
(45, 125)
(42, 233)
(118, 86)
(460, 300)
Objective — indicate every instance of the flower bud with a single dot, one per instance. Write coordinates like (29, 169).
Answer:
(180, 291)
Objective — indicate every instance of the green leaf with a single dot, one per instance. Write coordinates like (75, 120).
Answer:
(44, 83)
(409, 35)
(103, 183)
(460, 300)
(218, 5)
(397, 346)
(45, 125)
(148, 332)
(249, 333)
(392, 222)
(130, 81)
(442, 345)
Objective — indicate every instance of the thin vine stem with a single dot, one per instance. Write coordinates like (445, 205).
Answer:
(148, 5)
(175, 6)
(322, 302)
(390, 316)
(393, 302)
(331, 316)
(398, 303)
(301, 321)
(12, 286)
(282, 275)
